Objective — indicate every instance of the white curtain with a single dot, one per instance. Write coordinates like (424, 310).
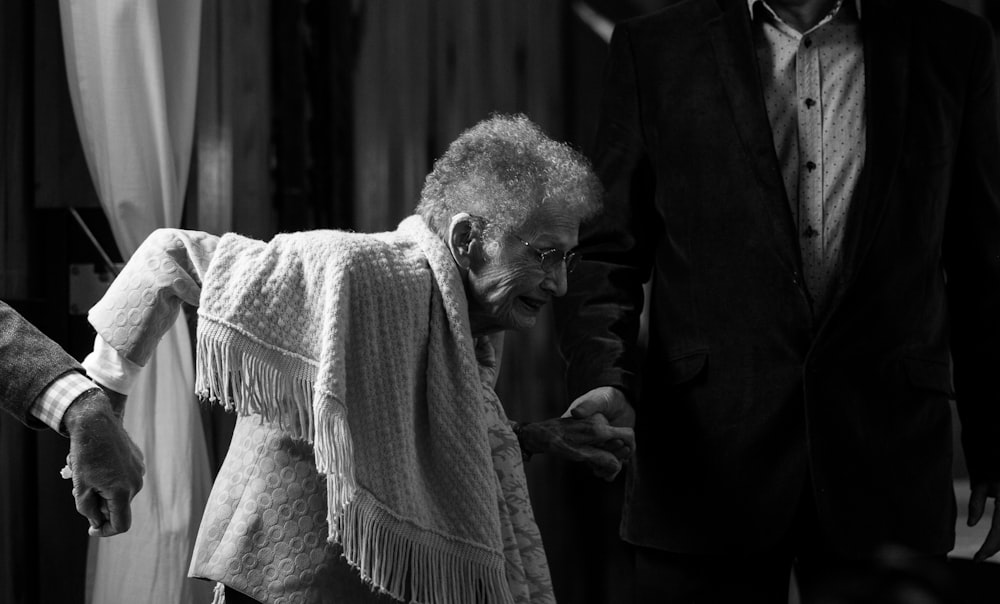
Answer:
(132, 67)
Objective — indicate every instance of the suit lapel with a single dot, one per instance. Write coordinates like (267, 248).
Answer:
(886, 34)
(732, 40)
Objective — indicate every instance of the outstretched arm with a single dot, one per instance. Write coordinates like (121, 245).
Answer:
(42, 385)
(144, 300)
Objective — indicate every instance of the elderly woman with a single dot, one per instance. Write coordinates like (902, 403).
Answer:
(362, 370)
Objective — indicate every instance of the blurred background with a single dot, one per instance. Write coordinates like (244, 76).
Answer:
(308, 114)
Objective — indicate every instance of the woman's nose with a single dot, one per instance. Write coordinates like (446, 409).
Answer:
(555, 280)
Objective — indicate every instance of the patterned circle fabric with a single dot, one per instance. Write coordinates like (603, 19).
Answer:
(264, 530)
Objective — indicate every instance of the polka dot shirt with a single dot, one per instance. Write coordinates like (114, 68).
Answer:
(814, 89)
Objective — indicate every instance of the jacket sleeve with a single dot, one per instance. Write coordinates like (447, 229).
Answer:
(144, 300)
(598, 320)
(29, 363)
(972, 264)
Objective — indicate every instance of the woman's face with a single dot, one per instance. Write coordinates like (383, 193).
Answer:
(509, 288)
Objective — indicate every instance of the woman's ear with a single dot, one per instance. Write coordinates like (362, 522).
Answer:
(464, 235)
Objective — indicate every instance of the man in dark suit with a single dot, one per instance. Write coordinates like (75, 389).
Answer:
(40, 384)
(812, 189)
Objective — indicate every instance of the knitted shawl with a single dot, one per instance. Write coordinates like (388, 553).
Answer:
(361, 345)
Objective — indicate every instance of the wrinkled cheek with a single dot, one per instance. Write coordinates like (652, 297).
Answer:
(502, 299)
(508, 287)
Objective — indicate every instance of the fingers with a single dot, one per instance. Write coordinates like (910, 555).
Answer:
(613, 444)
(98, 531)
(625, 435)
(591, 440)
(88, 504)
(585, 406)
(992, 543)
(607, 401)
(107, 517)
(977, 505)
(107, 471)
(120, 517)
(620, 441)
(603, 464)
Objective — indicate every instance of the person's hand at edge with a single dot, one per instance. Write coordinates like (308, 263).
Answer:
(107, 466)
(977, 506)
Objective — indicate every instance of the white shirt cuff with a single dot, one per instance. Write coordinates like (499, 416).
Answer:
(109, 368)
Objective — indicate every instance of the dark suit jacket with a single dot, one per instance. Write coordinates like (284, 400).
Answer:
(744, 391)
(29, 362)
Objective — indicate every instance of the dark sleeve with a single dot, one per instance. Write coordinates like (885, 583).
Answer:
(29, 362)
(598, 319)
(972, 264)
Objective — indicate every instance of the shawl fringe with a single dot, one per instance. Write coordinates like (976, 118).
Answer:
(247, 376)
(420, 565)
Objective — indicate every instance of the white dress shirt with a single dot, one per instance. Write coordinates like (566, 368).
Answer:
(814, 88)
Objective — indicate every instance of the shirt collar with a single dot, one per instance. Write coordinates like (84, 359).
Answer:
(752, 3)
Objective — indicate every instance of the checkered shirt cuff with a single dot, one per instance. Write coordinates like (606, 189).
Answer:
(51, 405)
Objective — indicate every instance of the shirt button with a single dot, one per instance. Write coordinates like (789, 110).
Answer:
(808, 42)
(810, 165)
(810, 103)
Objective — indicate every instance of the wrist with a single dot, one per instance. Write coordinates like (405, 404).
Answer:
(89, 408)
(523, 440)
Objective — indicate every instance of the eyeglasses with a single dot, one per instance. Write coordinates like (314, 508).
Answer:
(550, 258)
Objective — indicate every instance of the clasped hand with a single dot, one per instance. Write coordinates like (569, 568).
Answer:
(107, 466)
(977, 507)
(597, 430)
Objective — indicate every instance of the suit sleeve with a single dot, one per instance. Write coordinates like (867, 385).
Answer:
(29, 363)
(972, 264)
(598, 319)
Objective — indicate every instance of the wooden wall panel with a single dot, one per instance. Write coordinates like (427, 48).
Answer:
(232, 180)
(246, 60)
(210, 195)
(391, 101)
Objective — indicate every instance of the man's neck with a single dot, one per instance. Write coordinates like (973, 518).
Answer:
(803, 15)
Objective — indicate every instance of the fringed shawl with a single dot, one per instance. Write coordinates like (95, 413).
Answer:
(360, 344)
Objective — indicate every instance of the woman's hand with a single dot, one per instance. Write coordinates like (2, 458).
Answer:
(591, 440)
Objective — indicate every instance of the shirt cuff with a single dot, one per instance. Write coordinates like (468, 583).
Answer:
(109, 368)
(51, 404)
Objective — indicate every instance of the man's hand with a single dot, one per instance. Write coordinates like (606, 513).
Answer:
(977, 505)
(591, 440)
(606, 400)
(107, 466)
